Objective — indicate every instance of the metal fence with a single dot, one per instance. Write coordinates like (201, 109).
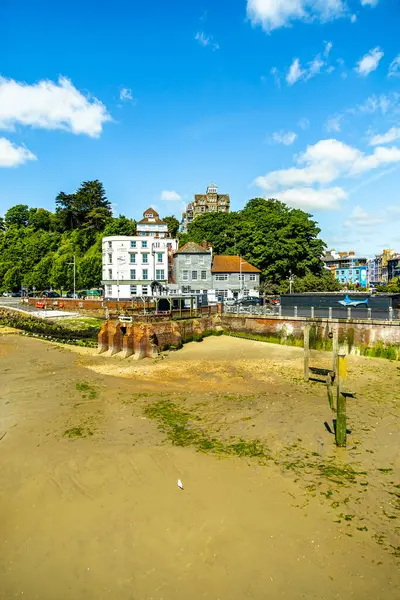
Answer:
(345, 312)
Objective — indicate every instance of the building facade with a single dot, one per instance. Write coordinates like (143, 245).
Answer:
(152, 225)
(394, 267)
(347, 268)
(131, 265)
(192, 268)
(233, 277)
(211, 201)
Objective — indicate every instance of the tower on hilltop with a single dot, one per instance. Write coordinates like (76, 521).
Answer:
(211, 201)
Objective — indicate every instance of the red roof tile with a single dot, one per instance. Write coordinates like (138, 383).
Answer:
(231, 264)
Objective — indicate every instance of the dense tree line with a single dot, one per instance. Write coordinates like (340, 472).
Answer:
(37, 245)
(279, 240)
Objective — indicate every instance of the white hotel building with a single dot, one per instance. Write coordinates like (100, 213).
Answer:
(131, 264)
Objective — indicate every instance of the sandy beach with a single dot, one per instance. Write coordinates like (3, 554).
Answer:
(90, 458)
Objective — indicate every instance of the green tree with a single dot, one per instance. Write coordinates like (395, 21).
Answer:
(17, 215)
(13, 279)
(270, 235)
(73, 209)
(173, 225)
(393, 287)
(2, 224)
(120, 226)
(40, 218)
(40, 276)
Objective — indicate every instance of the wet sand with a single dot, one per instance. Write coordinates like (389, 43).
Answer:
(100, 515)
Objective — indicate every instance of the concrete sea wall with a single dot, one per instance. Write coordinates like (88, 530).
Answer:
(140, 340)
(366, 337)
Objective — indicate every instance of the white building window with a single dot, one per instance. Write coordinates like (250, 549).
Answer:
(221, 277)
(159, 257)
(253, 277)
(133, 244)
(160, 274)
(185, 275)
(109, 273)
(132, 259)
(144, 244)
(144, 290)
(108, 290)
(145, 259)
(133, 290)
(187, 260)
(221, 293)
(110, 258)
(204, 275)
(110, 244)
(194, 275)
(133, 273)
(145, 274)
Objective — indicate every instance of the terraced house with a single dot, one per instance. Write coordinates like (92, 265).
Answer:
(192, 268)
(234, 277)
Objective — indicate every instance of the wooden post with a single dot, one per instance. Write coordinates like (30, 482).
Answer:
(180, 308)
(306, 352)
(329, 387)
(340, 433)
(335, 349)
(191, 305)
(341, 421)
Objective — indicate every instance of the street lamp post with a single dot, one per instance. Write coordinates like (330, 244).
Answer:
(291, 282)
(74, 265)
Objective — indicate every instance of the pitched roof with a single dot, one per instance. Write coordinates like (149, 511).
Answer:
(153, 220)
(231, 264)
(192, 248)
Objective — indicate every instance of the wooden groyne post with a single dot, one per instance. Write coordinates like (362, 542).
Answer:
(341, 421)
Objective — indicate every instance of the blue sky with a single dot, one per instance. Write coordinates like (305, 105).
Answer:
(297, 99)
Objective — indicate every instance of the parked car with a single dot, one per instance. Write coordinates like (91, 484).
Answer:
(47, 294)
(16, 294)
(249, 301)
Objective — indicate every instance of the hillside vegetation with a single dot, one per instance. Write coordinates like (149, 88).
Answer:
(37, 246)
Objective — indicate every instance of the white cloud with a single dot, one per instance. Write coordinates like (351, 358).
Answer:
(12, 155)
(309, 198)
(126, 95)
(334, 123)
(206, 40)
(353, 18)
(275, 73)
(272, 14)
(304, 123)
(295, 72)
(381, 156)
(284, 137)
(394, 69)
(321, 164)
(50, 105)
(170, 196)
(360, 218)
(386, 138)
(369, 62)
(315, 67)
(328, 48)
(369, 2)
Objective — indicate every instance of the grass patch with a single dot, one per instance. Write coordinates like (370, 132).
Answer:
(78, 432)
(86, 390)
(183, 429)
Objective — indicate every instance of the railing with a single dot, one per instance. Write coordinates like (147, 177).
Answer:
(312, 312)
